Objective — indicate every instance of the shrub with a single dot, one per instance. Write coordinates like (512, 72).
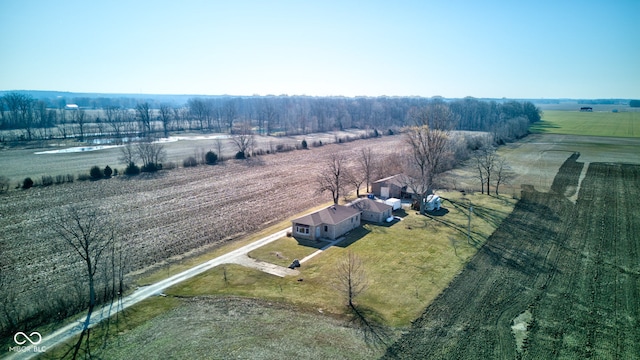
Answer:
(240, 155)
(47, 180)
(169, 165)
(27, 183)
(211, 158)
(151, 167)
(304, 144)
(190, 162)
(376, 133)
(84, 177)
(4, 183)
(115, 172)
(96, 173)
(107, 171)
(70, 178)
(390, 132)
(132, 169)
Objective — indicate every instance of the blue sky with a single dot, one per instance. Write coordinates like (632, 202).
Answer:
(516, 49)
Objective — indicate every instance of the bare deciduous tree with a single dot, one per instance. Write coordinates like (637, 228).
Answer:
(151, 153)
(88, 234)
(485, 159)
(80, 118)
(355, 177)
(219, 149)
(127, 154)
(244, 139)
(429, 150)
(367, 165)
(351, 278)
(230, 112)
(503, 173)
(165, 118)
(143, 111)
(333, 177)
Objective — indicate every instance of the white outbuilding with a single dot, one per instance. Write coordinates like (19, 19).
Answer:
(395, 203)
(433, 202)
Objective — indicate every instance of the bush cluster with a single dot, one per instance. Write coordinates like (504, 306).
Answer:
(190, 162)
(132, 169)
(27, 183)
(211, 158)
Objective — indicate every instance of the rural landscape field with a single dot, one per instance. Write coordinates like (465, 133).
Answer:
(546, 269)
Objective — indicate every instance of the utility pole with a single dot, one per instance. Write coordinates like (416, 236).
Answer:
(469, 225)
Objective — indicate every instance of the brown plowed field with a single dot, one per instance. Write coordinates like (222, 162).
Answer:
(573, 267)
(158, 217)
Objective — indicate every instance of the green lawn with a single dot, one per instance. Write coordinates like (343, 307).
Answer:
(621, 124)
(408, 263)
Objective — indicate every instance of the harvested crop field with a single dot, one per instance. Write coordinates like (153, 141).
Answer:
(558, 279)
(159, 217)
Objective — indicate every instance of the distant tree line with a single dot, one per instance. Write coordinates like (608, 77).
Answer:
(264, 115)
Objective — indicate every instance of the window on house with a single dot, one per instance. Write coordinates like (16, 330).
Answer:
(302, 229)
(326, 228)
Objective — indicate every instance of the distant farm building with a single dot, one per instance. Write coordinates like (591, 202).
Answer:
(390, 187)
(329, 223)
(586, 108)
(372, 210)
(71, 107)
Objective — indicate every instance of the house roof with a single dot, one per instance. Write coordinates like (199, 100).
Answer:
(332, 215)
(370, 205)
(398, 180)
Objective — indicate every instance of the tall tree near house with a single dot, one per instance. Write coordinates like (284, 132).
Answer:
(429, 150)
(244, 139)
(143, 112)
(88, 234)
(355, 177)
(165, 118)
(333, 177)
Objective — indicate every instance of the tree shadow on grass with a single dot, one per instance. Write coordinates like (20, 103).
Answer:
(369, 323)
(440, 212)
